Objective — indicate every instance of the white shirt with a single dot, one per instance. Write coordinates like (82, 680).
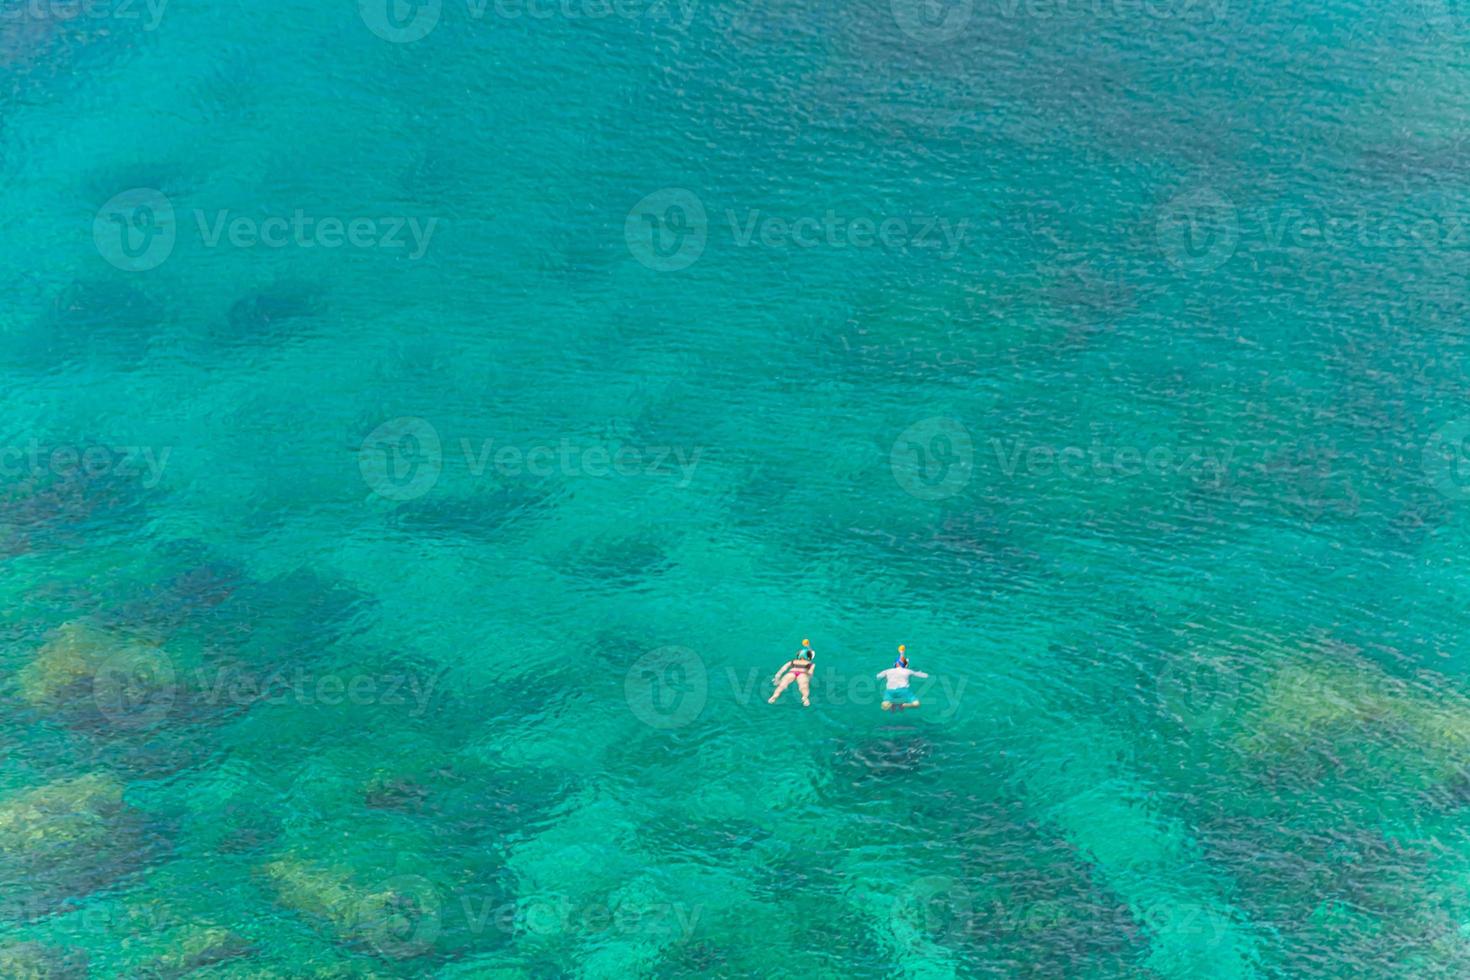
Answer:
(897, 677)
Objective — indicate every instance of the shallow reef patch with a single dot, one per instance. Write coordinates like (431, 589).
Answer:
(68, 838)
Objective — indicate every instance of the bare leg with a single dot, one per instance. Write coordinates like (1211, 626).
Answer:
(804, 682)
(785, 683)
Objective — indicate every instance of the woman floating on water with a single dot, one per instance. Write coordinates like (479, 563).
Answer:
(798, 669)
(898, 696)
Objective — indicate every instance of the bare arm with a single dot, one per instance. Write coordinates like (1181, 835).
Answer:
(781, 670)
(919, 673)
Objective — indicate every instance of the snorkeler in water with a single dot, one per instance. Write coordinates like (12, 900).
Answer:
(897, 695)
(799, 669)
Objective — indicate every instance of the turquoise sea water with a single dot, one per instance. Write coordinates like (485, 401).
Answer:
(428, 427)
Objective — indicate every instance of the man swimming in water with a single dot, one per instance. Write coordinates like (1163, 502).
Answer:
(798, 669)
(897, 696)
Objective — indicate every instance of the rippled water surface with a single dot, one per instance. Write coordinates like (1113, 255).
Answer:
(428, 426)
